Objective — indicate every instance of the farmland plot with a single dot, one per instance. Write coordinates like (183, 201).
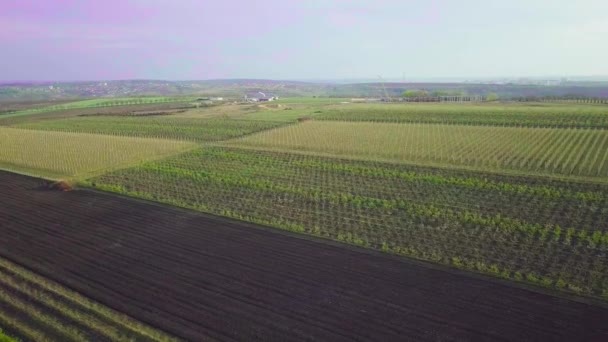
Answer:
(93, 103)
(516, 115)
(195, 129)
(93, 111)
(60, 154)
(560, 152)
(528, 204)
(547, 232)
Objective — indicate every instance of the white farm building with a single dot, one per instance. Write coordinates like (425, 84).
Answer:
(260, 97)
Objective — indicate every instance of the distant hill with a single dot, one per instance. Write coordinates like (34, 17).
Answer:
(578, 89)
(29, 91)
(227, 87)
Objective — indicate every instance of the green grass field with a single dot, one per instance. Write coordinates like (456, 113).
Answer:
(562, 152)
(59, 154)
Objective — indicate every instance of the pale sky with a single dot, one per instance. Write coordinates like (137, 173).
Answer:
(286, 39)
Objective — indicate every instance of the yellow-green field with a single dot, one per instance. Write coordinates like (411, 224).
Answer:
(561, 152)
(61, 154)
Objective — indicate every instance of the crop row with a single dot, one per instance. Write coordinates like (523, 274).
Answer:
(63, 154)
(546, 115)
(545, 188)
(563, 210)
(193, 129)
(229, 179)
(579, 153)
(395, 209)
(36, 309)
(109, 102)
(561, 203)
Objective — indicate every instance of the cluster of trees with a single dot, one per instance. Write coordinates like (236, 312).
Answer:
(410, 93)
(565, 98)
(416, 93)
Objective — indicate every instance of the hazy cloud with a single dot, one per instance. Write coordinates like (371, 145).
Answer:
(192, 39)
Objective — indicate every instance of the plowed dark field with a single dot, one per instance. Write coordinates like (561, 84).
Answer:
(201, 277)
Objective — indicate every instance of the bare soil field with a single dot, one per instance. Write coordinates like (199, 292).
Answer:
(12, 105)
(201, 277)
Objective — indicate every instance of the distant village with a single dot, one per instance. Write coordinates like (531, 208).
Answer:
(260, 97)
(247, 97)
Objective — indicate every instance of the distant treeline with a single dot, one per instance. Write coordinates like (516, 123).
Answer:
(502, 91)
(567, 99)
(420, 95)
(236, 88)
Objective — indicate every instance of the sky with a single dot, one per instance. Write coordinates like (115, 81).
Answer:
(63, 40)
